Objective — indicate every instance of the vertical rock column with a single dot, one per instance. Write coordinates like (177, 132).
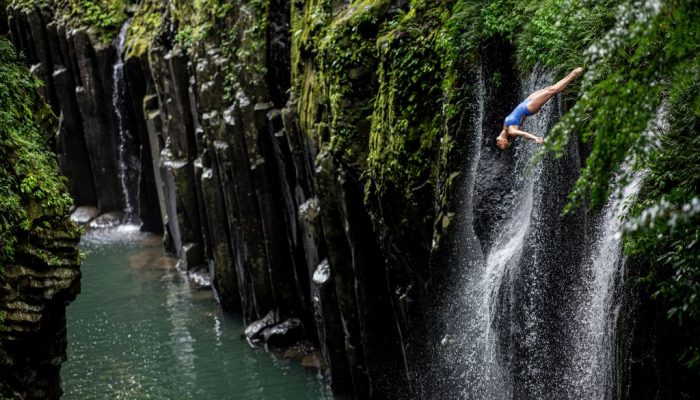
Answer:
(207, 92)
(76, 67)
(141, 105)
(171, 78)
(35, 291)
(94, 65)
(54, 62)
(71, 148)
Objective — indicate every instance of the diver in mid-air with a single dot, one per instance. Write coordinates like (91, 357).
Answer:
(531, 105)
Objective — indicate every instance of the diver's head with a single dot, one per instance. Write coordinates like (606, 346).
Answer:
(502, 140)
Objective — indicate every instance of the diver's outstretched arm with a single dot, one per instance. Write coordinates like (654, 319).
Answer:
(517, 132)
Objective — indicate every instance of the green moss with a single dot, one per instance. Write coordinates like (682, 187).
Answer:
(32, 194)
(558, 32)
(667, 234)
(102, 17)
(145, 26)
(387, 75)
(347, 57)
(628, 72)
(407, 119)
(373, 83)
(192, 22)
(201, 19)
(249, 39)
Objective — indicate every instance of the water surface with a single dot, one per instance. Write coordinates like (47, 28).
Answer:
(139, 330)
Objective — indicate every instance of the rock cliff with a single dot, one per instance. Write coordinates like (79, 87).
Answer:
(311, 156)
(39, 261)
(254, 153)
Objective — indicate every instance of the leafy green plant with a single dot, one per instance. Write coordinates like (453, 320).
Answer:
(665, 230)
(104, 17)
(32, 194)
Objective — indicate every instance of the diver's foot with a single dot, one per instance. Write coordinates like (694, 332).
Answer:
(577, 72)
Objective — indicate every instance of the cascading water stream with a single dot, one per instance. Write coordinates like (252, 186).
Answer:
(537, 309)
(483, 299)
(475, 361)
(591, 373)
(125, 156)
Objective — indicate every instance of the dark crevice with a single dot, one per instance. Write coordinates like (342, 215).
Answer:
(278, 76)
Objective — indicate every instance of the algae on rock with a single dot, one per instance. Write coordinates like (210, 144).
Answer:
(39, 260)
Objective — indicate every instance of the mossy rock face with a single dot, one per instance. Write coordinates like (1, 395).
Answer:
(377, 98)
(33, 194)
(39, 260)
(102, 17)
(369, 78)
(146, 24)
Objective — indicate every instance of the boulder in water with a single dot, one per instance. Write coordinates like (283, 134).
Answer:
(84, 214)
(284, 334)
(200, 277)
(312, 360)
(299, 350)
(253, 332)
(107, 220)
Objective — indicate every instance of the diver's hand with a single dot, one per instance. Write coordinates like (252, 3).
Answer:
(539, 140)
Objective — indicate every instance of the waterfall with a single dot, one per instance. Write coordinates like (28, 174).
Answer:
(591, 373)
(488, 288)
(535, 308)
(481, 315)
(126, 160)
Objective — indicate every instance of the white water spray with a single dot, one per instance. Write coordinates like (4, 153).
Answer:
(485, 375)
(118, 99)
(592, 374)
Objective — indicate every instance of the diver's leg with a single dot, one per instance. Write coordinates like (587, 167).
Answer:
(542, 96)
(537, 93)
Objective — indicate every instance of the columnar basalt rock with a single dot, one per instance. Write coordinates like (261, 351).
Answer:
(39, 259)
(36, 287)
(316, 157)
(246, 179)
(76, 68)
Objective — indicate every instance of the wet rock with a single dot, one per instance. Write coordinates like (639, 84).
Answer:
(331, 197)
(254, 331)
(72, 152)
(312, 360)
(225, 279)
(138, 81)
(154, 129)
(284, 334)
(36, 287)
(299, 350)
(42, 53)
(84, 214)
(107, 220)
(243, 212)
(182, 208)
(200, 278)
(192, 255)
(95, 109)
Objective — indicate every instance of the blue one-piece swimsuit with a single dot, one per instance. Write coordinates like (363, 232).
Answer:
(520, 112)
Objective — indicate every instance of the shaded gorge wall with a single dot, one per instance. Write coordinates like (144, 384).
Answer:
(320, 162)
(39, 259)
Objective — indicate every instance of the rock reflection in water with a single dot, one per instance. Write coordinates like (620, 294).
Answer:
(140, 329)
